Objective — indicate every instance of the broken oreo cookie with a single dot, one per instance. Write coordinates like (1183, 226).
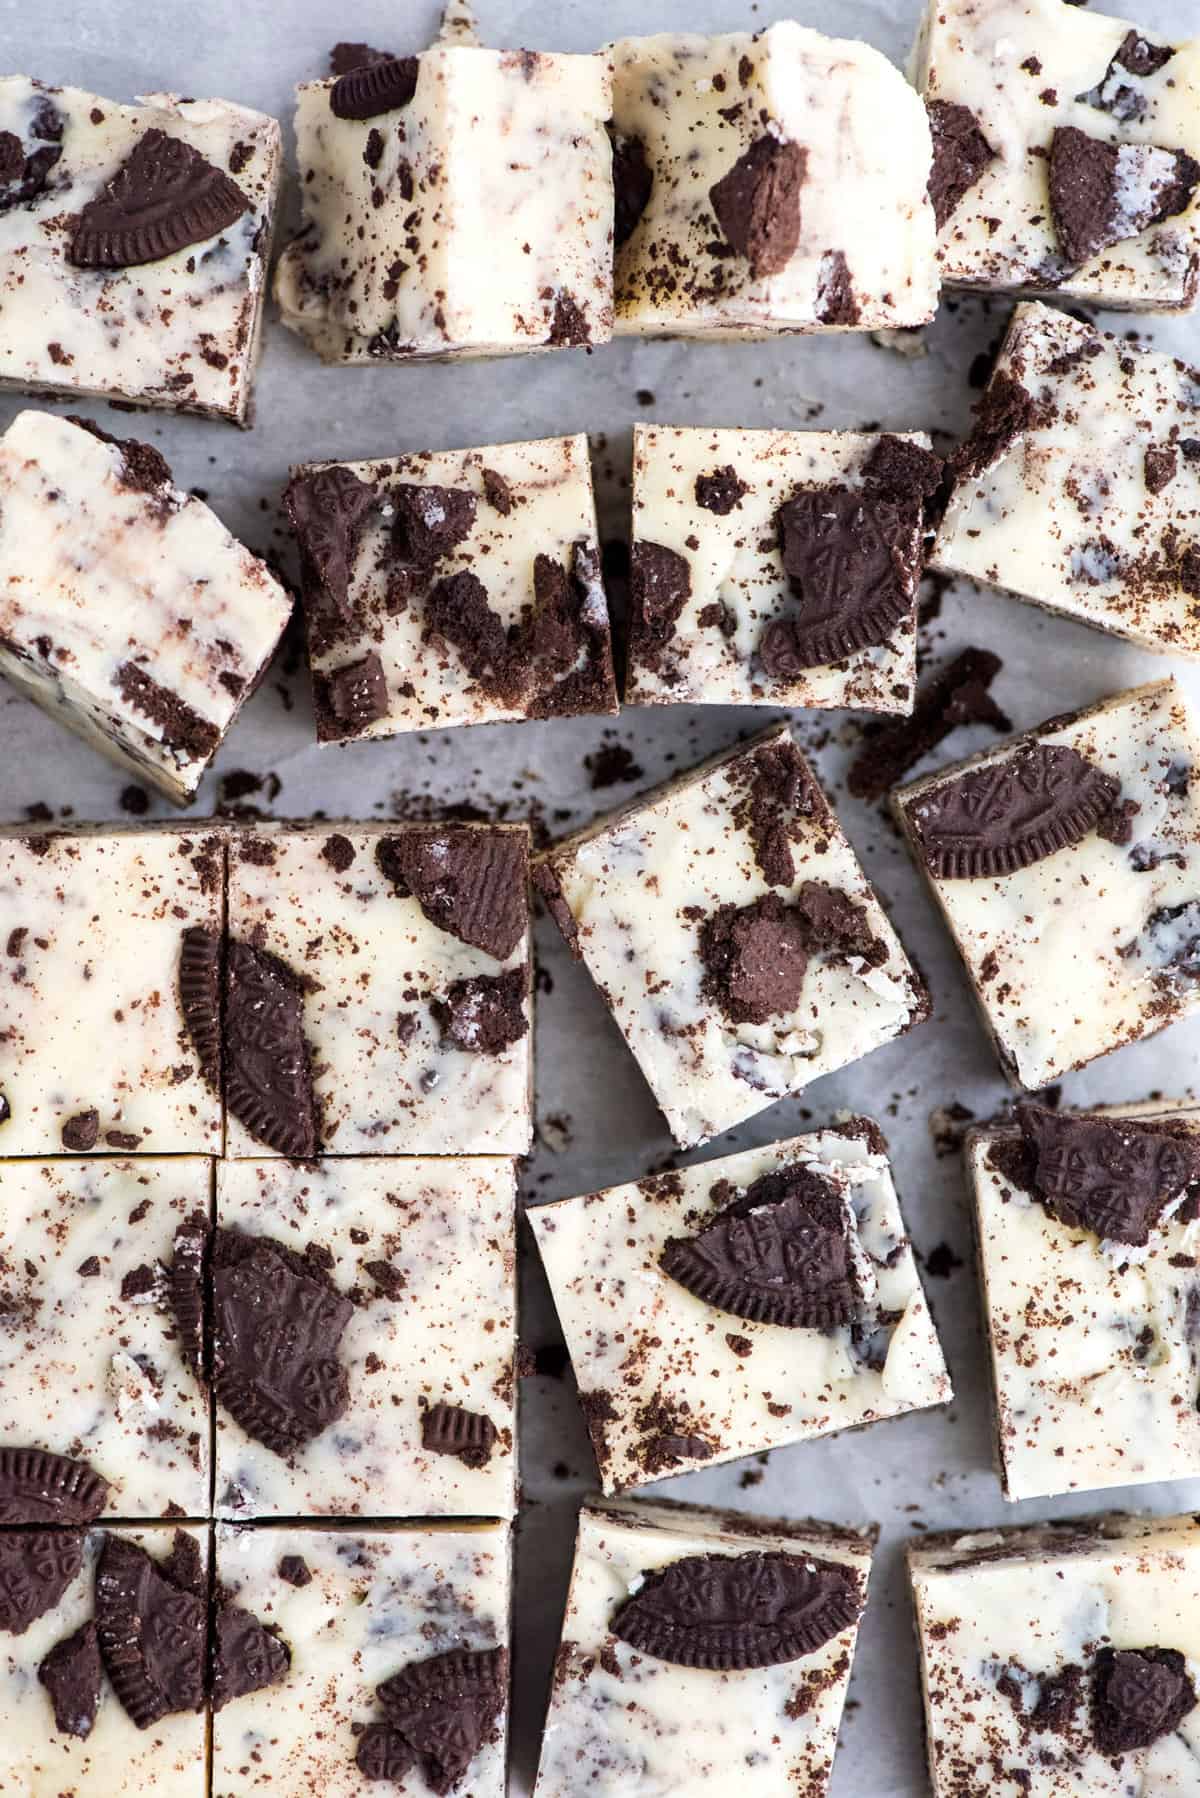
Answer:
(71, 1672)
(758, 203)
(152, 1634)
(1138, 1697)
(164, 197)
(470, 883)
(36, 1567)
(1111, 1176)
(267, 1059)
(1015, 811)
(445, 1709)
(39, 1487)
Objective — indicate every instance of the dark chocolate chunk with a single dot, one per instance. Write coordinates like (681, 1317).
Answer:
(960, 154)
(755, 958)
(36, 1567)
(383, 1753)
(720, 491)
(356, 694)
(39, 1487)
(181, 726)
(200, 997)
(267, 1059)
(633, 183)
(71, 1673)
(484, 1014)
(471, 883)
(152, 1634)
(446, 1708)
(1011, 813)
(452, 1430)
(344, 57)
(81, 1132)
(295, 1570)
(328, 509)
(1113, 1176)
(164, 196)
(1091, 181)
(957, 695)
(660, 587)
(371, 88)
(1138, 1696)
(185, 1289)
(758, 204)
(246, 1656)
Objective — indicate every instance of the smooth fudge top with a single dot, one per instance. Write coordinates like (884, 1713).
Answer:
(133, 245)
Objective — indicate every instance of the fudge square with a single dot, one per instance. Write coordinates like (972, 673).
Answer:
(376, 992)
(776, 567)
(95, 1047)
(1086, 1241)
(1079, 487)
(459, 202)
(768, 181)
(1062, 1660)
(134, 243)
(736, 1306)
(457, 587)
(1093, 817)
(733, 935)
(127, 611)
(1065, 148)
(419, 1257)
(399, 1661)
(702, 1650)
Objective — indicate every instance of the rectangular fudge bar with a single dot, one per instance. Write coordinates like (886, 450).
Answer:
(1096, 816)
(399, 1661)
(134, 243)
(692, 1338)
(453, 587)
(776, 567)
(702, 1651)
(733, 935)
(455, 203)
(127, 611)
(1062, 1660)
(1065, 147)
(1079, 487)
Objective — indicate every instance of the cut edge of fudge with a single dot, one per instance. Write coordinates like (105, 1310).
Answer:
(957, 1551)
(722, 1521)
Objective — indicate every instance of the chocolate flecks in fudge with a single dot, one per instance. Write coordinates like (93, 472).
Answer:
(755, 958)
(960, 154)
(497, 491)
(144, 468)
(81, 1132)
(39, 1487)
(182, 728)
(470, 883)
(1091, 179)
(185, 1289)
(344, 57)
(1137, 1697)
(164, 196)
(339, 852)
(836, 301)
(452, 1430)
(1136, 56)
(731, 1612)
(957, 695)
(1012, 813)
(71, 1673)
(1114, 1178)
(1006, 411)
(757, 204)
(666, 1438)
(721, 491)
(484, 1014)
(328, 509)
(36, 1567)
(246, 1656)
(266, 1056)
(633, 183)
(1058, 1700)
(383, 1753)
(546, 885)
(138, 1283)
(200, 997)
(659, 588)
(294, 1569)
(23, 177)
(152, 1634)
(446, 1708)
(368, 89)
(569, 327)
(352, 696)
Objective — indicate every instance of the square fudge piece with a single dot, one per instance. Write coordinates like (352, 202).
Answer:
(134, 243)
(399, 1661)
(95, 1047)
(733, 935)
(1064, 152)
(1062, 1660)
(1087, 1250)
(702, 1651)
(776, 567)
(766, 182)
(459, 202)
(377, 992)
(691, 1337)
(458, 587)
(1079, 487)
(1096, 816)
(127, 611)
(421, 1257)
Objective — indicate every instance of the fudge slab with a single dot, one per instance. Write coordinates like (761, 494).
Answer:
(1062, 1660)
(161, 301)
(1065, 152)
(356, 1609)
(453, 587)
(458, 202)
(1080, 485)
(427, 1251)
(95, 1052)
(733, 935)
(692, 1338)
(1093, 816)
(768, 182)
(127, 611)
(702, 1648)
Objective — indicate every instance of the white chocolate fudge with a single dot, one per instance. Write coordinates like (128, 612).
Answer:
(702, 1651)
(767, 182)
(127, 611)
(1095, 815)
(1062, 1660)
(752, 1301)
(1080, 485)
(95, 1048)
(733, 935)
(1065, 148)
(134, 243)
(455, 203)
(398, 1673)
(377, 992)
(458, 587)
(776, 567)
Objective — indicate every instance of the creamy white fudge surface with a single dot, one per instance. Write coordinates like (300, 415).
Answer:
(453, 587)
(774, 568)
(356, 1608)
(766, 182)
(95, 1052)
(147, 310)
(397, 963)
(1080, 485)
(711, 1589)
(127, 611)
(1095, 814)
(691, 1339)
(455, 203)
(1062, 1661)
(733, 935)
(427, 1250)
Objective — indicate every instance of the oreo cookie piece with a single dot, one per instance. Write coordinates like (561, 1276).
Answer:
(960, 154)
(452, 1430)
(200, 997)
(383, 1753)
(185, 1292)
(484, 1014)
(755, 958)
(446, 1708)
(430, 521)
(660, 586)
(729, 1612)
(164, 197)
(721, 491)
(1012, 813)
(470, 883)
(152, 1634)
(758, 204)
(246, 1656)
(1113, 94)
(328, 508)
(354, 695)
(1138, 1696)
(266, 1056)
(38, 1487)
(71, 1673)
(633, 183)
(36, 1567)
(1111, 1176)
(374, 87)
(1103, 193)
